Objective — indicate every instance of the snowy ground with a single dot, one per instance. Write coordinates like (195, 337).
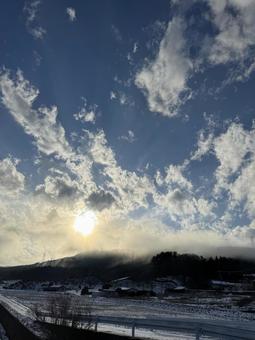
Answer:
(151, 334)
(197, 306)
(23, 313)
(200, 305)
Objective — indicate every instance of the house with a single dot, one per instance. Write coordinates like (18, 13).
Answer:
(127, 282)
(166, 285)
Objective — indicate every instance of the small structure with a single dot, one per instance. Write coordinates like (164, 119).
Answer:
(55, 288)
(224, 285)
(166, 285)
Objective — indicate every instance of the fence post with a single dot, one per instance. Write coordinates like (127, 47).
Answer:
(133, 330)
(198, 333)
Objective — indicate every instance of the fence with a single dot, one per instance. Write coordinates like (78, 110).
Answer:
(219, 328)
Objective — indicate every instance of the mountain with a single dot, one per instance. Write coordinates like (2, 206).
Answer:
(104, 266)
(109, 266)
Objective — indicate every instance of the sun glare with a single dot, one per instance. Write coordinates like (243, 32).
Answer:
(85, 223)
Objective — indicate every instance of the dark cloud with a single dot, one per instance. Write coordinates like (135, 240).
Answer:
(65, 190)
(178, 196)
(100, 200)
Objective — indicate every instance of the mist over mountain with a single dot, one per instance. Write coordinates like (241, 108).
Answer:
(109, 266)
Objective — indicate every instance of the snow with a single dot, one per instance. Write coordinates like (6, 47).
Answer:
(149, 334)
(194, 305)
(23, 313)
(202, 306)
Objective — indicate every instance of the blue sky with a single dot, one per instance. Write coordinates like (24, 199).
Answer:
(139, 112)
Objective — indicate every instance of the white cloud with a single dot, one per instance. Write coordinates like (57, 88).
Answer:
(235, 21)
(121, 192)
(164, 80)
(71, 13)
(179, 200)
(31, 9)
(131, 191)
(12, 181)
(230, 150)
(242, 189)
(59, 185)
(204, 145)
(235, 152)
(18, 96)
(135, 47)
(37, 58)
(130, 137)
(87, 113)
(121, 97)
(116, 33)
(113, 95)
(174, 175)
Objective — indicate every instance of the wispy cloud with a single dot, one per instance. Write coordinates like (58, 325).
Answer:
(71, 14)
(164, 80)
(129, 137)
(87, 113)
(31, 10)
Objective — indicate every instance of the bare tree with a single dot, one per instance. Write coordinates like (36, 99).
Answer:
(66, 310)
(37, 311)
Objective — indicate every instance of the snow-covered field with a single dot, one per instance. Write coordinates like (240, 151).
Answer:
(201, 306)
(220, 307)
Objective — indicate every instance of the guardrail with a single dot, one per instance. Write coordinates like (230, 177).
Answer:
(226, 329)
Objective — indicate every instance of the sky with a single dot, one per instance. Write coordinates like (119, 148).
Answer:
(132, 118)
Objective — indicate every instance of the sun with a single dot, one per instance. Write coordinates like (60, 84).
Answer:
(85, 223)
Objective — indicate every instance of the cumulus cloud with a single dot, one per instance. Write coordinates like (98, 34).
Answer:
(87, 113)
(31, 9)
(164, 80)
(18, 96)
(59, 185)
(168, 195)
(179, 200)
(242, 189)
(230, 150)
(48, 134)
(12, 181)
(131, 189)
(71, 13)
(185, 51)
(234, 150)
(174, 175)
(234, 20)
